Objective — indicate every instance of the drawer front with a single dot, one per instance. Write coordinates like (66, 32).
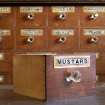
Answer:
(58, 71)
(6, 62)
(62, 16)
(6, 17)
(92, 16)
(92, 39)
(5, 78)
(32, 16)
(62, 40)
(31, 39)
(6, 38)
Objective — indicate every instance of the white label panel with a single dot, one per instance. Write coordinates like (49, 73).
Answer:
(71, 61)
(63, 32)
(31, 9)
(5, 9)
(94, 32)
(94, 9)
(5, 32)
(31, 32)
(63, 9)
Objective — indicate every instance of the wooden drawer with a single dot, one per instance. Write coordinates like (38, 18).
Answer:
(62, 39)
(5, 78)
(6, 39)
(60, 68)
(31, 16)
(92, 16)
(6, 62)
(63, 16)
(31, 39)
(92, 39)
(6, 17)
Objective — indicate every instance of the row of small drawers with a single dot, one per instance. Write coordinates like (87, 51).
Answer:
(55, 16)
(53, 39)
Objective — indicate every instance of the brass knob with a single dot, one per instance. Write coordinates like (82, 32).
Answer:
(94, 16)
(62, 40)
(93, 40)
(30, 40)
(73, 76)
(1, 78)
(62, 16)
(30, 16)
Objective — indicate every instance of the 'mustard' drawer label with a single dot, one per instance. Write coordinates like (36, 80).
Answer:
(71, 61)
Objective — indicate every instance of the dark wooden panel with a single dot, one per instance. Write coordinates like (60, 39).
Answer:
(57, 88)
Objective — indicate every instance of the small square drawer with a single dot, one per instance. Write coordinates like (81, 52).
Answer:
(32, 16)
(31, 39)
(5, 62)
(6, 17)
(5, 78)
(63, 16)
(62, 39)
(6, 38)
(92, 16)
(92, 39)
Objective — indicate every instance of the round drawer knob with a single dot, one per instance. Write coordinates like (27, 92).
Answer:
(72, 77)
(93, 40)
(62, 40)
(30, 16)
(94, 16)
(62, 16)
(1, 78)
(30, 40)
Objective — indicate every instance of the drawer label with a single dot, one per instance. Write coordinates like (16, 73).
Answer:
(92, 9)
(94, 32)
(31, 9)
(5, 32)
(63, 32)
(61, 9)
(71, 61)
(5, 9)
(31, 32)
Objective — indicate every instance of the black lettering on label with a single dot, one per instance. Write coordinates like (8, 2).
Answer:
(81, 61)
(77, 61)
(68, 61)
(85, 61)
(59, 61)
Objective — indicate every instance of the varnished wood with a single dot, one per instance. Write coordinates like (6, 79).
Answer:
(29, 75)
